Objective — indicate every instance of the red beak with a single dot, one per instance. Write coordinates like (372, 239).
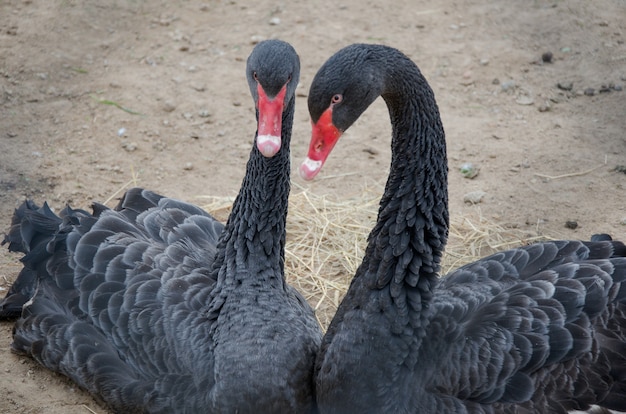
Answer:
(268, 138)
(324, 136)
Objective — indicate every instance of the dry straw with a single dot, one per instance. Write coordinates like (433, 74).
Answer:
(326, 238)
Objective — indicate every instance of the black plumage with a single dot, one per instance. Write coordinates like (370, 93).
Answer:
(156, 307)
(536, 329)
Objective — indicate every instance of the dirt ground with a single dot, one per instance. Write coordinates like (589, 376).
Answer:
(97, 96)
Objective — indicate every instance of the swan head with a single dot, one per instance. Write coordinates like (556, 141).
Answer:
(343, 88)
(273, 72)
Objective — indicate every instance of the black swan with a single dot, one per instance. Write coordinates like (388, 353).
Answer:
(156, 307)
(537, 329)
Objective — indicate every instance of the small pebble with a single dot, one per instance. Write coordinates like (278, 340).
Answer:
(467, 78)
(469, 170)
(508, 85)
(524, 100)
(617, 88)
(565, 86)
(129, 146)
(159, 145)
(545, 107)
(121, 132)
(188, 166)
(275, 21)
(547, 57)
(571, 224)
(474, 197)
(589, 92)
(256, 39)
(169, 106)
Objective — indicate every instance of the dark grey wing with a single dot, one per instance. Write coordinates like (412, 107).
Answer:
(105, 282)
(522, 326)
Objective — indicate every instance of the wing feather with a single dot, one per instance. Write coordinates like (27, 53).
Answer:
(523, 315)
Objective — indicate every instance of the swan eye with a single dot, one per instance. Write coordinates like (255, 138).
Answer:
(289, 79)
(336, 99)
(254, 75)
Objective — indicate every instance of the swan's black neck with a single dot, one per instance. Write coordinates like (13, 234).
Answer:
(406, 245)
(254, 237)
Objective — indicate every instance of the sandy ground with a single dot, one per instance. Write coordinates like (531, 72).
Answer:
(96, 96)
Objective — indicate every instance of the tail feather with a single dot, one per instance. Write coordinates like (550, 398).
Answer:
(20, 292)
(41, 235)
(32, 228)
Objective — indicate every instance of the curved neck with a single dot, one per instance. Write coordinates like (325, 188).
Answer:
(406, 245)
(254, 237)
